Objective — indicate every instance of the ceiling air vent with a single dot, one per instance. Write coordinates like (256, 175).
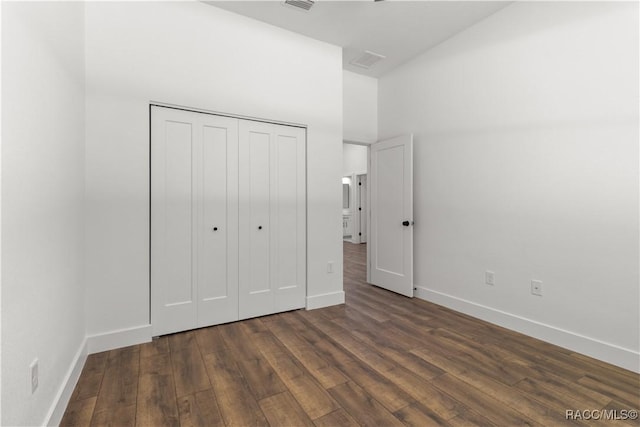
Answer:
(367, 59)
(304, 5)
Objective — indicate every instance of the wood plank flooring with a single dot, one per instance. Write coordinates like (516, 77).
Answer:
(379, 360)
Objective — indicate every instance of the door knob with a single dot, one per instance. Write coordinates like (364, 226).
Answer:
(259, 227)
(406, 223)
(215, 228)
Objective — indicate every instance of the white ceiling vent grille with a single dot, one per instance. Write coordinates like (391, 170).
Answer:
(302, 5)
(367, 59)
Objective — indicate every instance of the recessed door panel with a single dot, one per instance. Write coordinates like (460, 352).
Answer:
(214, 204)
(390, 184)
(178, 208)
(218, 225)
(259, 226)
(286, 235)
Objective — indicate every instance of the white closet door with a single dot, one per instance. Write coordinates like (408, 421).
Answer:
(217, 187)
(173, 219)
(272, 218)
(194, 220)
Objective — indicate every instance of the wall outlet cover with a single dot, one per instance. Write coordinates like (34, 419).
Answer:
(536, 287)
(489, 277)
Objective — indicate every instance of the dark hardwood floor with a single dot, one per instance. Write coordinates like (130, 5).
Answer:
(379, 360)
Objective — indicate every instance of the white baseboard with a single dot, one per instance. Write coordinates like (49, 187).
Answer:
(119, 338)
(54, 416)
(607, 352)
(325, 300)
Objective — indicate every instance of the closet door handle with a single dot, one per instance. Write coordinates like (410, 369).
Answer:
(215, 228)
(259, 227)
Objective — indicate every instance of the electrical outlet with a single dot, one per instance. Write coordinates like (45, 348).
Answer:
(489, 277)
(330, 266)
(33, 369)
(536, 287)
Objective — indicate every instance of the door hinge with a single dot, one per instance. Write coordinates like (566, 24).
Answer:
(359, 183)
(359, 209)
(359, 234)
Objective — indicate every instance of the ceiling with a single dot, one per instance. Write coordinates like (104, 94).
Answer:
(398, 30)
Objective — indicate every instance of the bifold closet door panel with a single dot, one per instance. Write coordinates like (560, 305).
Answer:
(228, 219)
(217, 187)
(255, 183)
(288, 208)
(272, 218)
(173, 290)
(194, 220)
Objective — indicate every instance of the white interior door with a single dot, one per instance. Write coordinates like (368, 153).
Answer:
(390, 247)
(272, 218)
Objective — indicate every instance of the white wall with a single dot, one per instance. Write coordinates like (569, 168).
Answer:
(360, 100)
(526, 163)
(354, 159)
(42, 212)
(193, 54)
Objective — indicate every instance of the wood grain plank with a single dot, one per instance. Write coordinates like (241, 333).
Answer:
(237, 404)
(156, 403)
(553, 396)
(520, 401)
(617, 393)
(339, 417)
(261, 377)
(362, 406)
(283, 410)
(200, 410)
(416, 414)
(209, 340)
(314, 399)
(423, 391)
(119, 386)
(116, 416)
(481, 402)
(188, 367)
(79, 413)
(620, 409)
(91, 378)
(159, 345)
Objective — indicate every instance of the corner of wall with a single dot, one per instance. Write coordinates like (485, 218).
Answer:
(119, 338)
(61, 400)
(325, 300)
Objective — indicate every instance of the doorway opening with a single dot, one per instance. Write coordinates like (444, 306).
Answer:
(378, 209)
(355, 210)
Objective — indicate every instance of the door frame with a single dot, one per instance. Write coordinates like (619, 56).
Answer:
(356, 197)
